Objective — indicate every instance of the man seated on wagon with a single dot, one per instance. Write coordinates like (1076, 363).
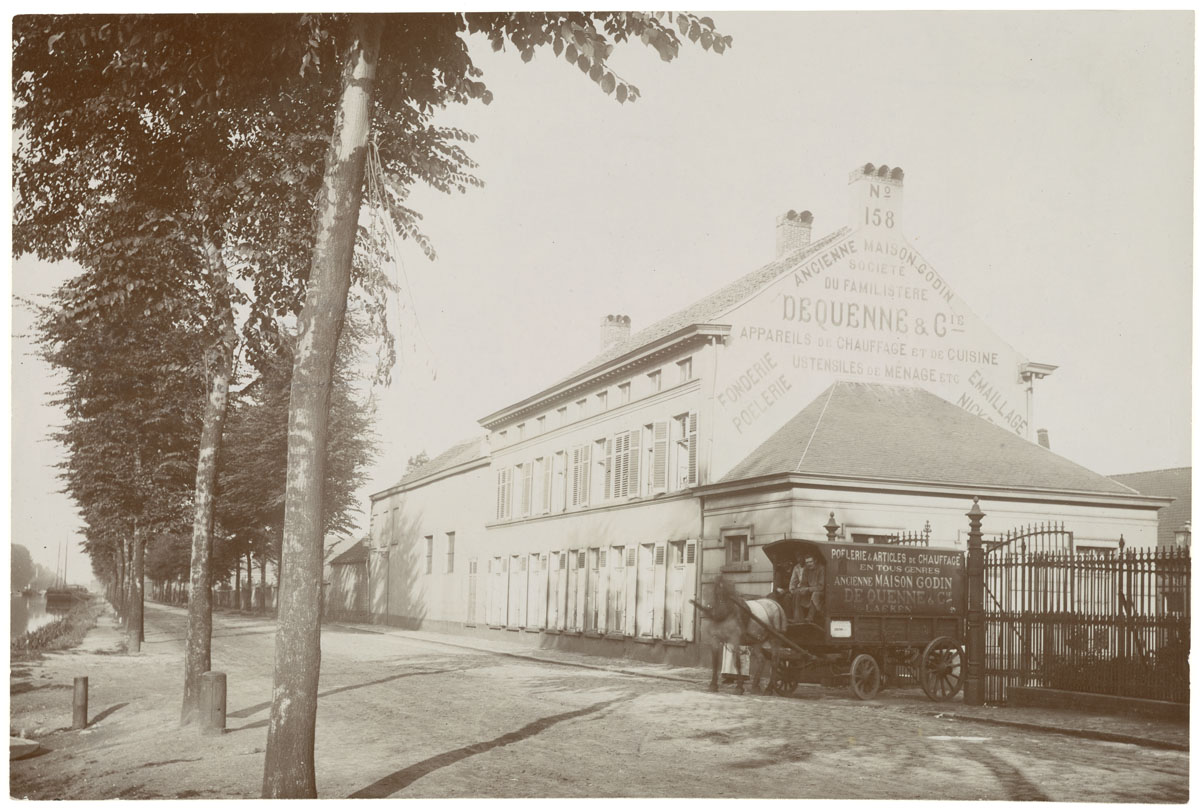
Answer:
(807, 589)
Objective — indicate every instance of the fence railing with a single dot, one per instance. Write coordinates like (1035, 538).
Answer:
(1108, 622)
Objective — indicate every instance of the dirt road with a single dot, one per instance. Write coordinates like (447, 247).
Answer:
(404, 717)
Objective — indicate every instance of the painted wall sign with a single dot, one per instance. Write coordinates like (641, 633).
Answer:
(867, 308)
(882, 579)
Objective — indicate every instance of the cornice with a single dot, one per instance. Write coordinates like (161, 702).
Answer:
(615, 367)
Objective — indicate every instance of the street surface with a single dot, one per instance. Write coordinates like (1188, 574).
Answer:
(406, 718)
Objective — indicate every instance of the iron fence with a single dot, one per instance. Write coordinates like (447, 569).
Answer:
(1107, 622)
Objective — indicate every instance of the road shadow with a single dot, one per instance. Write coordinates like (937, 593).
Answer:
(242, 713)
(107, 712)
(391, 784)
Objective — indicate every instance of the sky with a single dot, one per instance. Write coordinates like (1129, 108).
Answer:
(1048, 177)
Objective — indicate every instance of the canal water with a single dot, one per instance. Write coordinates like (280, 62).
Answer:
(29, 613)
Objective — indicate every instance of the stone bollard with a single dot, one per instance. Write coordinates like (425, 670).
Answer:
(212, 702)
(79, 718)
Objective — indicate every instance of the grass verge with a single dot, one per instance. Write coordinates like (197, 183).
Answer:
(64, 633)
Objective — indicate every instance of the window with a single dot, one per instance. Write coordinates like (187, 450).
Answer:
(541, 424)
(521, 432)
(581, 460)
(429, 553)
(625, 392)
(655, 379)
(624, 450)
(539, 500)
(526, 489)
(562, 416)
(394, 527)
(581, 408)
(616, 590)
(685, 369)
(502, 438)
(737, 549)
(558, 491)
(683, 463)
(547, 479)
(449, 551)
(600, 484)
(656, 442)
(504, 493)
(602, 401)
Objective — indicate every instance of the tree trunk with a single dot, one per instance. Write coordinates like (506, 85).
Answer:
(249, 583)
(119, 603)
(288, 770)
(137, 584)
(237, 582)
(198, 648)
(262, 584)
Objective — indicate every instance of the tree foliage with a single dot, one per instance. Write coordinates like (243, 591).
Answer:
(22, 571)
(214, 131)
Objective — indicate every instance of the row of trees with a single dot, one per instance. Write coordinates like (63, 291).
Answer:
(208, 173)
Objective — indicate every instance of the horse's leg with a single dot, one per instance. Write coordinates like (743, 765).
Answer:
(758, 659)
(737, 667)
(716, 666)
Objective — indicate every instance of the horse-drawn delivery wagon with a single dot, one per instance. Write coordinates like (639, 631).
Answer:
(882, 610)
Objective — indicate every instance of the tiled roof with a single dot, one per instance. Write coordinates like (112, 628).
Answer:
(460, 453)
(1175, 483)
(354, 554)
(704, 310)
(907, 433)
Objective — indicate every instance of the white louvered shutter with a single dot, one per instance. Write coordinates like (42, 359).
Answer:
(634, 452)
(585, 473)
(661, 434)
(608, 468)
(693, 449)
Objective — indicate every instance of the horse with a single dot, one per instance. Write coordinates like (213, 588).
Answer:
(732, 624)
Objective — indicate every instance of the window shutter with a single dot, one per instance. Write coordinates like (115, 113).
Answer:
(693, 448)
(661, 433)
(585, 473)
(527, 490)
(524, 563)
(582, 563)
(603, 557)
(634, 450)
(547, 480)
(608, 468)
(660, 552)
(631, 556)
(621, 466)
(691, 553)
(562, 561)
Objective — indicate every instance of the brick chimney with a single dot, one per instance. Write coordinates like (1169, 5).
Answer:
(877, 198)
(613, 329)
(792, 231)
(1044, 438)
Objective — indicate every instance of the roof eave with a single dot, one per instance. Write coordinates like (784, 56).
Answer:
(940, 489)
(450, 471)
(570, 385)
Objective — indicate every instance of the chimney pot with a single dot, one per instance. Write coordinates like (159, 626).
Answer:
(792, 231)
(1044, 438)
(614, 329)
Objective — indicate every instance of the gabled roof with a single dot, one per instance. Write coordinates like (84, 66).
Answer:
(706, 309)
(1175, 483)
(906, 433)
(461, 453)
(353, 555)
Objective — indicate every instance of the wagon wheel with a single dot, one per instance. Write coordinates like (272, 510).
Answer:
(865, 677)
(941, 672)
(783, 681)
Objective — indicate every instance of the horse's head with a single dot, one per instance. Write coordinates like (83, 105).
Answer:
(724, 595)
